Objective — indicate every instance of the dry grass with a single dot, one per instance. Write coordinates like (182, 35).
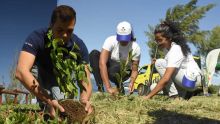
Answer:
(135, 110)
(132, 110)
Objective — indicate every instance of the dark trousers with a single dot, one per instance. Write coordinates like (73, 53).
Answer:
(113, 67)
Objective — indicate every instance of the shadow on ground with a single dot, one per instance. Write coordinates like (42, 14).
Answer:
(168, 117)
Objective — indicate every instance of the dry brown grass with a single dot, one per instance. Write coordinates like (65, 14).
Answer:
(132, 110)
(160, 109)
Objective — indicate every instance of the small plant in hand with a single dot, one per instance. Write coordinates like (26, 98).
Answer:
(124, 71)
(68, 69)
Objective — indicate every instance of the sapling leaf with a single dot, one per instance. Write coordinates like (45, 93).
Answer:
(67, 69)
(73, 55)
(123, 72)
(118, 77)
(76, 47)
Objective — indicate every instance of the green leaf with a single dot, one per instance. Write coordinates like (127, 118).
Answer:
(73, 55)
(118, 77)
(70, 87)
(58, 65)
(76, 47)
(68, 70)
(55, 43)
(49, 35)
(61, 49)
(81, 75)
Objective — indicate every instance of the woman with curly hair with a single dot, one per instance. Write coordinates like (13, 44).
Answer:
(179, 71)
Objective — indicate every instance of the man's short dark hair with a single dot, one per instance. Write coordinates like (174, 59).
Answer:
(64, 13)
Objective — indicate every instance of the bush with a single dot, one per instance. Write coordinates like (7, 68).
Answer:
(213, 89)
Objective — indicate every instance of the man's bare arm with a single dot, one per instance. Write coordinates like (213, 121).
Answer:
(25, 63)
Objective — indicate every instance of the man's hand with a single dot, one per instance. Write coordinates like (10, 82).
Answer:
(112, 91)
(53, 105)
(131, 87)
(88, 106)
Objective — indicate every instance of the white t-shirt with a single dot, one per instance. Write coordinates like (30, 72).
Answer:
(119, 52)
(175, 58)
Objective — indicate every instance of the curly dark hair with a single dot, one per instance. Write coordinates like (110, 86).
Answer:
(171, 30)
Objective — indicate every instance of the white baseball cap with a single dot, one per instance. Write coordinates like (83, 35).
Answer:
(124, 30)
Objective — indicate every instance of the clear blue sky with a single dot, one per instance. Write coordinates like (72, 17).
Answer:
(18, 19)
(96, 20)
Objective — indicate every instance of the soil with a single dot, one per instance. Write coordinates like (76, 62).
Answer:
(74, 111)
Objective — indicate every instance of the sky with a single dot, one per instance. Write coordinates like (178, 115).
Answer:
(96, 20)
(18, 19)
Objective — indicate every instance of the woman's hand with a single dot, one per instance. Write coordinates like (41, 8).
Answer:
(146, 97)
(153, 61)
(131, 87)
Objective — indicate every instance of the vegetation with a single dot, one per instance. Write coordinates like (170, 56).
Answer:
(130, 110)
(188, 17)
(207, 40)
(124, 70)
(68, 69)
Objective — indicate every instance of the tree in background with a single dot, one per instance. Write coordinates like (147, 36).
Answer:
(206, 41)
(188, 17)
(14, 83)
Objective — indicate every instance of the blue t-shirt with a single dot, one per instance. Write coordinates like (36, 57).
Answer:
(35, 44)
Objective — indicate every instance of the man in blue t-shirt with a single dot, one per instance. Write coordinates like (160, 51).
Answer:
(34, 52)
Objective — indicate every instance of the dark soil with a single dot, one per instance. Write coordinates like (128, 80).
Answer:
(74, 111)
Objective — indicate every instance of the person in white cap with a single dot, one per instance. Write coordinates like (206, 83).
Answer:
(106, 64)
(180, 74)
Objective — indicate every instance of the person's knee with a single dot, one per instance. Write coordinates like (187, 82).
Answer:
(56, 93)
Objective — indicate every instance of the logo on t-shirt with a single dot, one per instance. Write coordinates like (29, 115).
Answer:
(29, 44)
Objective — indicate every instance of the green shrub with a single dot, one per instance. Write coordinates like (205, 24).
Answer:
(213, 89)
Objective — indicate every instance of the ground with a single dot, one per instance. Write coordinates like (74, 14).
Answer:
(134, 110)
(160, 109)
(74, 110)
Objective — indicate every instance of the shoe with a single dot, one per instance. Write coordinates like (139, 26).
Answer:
(174, 96)
(188, 95)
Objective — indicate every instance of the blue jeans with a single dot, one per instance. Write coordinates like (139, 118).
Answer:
(52, 89)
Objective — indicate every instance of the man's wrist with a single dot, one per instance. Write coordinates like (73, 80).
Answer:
(48, 101)
(108, 86)
(84, 100)
(108, 89)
